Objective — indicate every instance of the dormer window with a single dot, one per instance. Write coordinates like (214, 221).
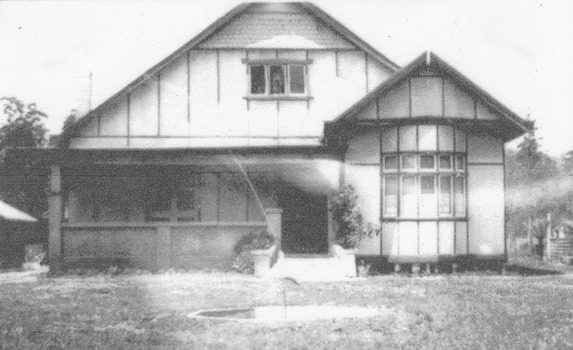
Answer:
(278, 79)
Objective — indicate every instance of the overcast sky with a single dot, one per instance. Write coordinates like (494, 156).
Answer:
(519, 51)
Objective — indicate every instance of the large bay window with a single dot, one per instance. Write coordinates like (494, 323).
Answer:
(423, 173)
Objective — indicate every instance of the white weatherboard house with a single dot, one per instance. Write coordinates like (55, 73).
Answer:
(153, 177)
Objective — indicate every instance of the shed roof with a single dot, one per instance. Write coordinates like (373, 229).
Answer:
(10, 213)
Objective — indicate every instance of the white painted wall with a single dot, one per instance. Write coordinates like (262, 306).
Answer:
(485, 149)
(205, 97)
(364, 148)
(486, 209)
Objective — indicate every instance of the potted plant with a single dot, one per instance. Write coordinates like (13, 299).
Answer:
(254, 253)
(349, 227)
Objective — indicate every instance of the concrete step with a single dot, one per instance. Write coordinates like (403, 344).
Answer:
(311, 268)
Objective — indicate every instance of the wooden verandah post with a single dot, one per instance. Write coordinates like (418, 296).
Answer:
(55, 219)
(547, 256)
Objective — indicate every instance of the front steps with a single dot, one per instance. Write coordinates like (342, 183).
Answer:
(312, 267)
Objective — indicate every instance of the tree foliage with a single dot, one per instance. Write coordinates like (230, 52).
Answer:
(536, 185)
(23, 126)
(70, 119)
(529, 165)
(349, 224)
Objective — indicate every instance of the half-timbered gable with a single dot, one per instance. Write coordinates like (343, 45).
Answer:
(270, 75)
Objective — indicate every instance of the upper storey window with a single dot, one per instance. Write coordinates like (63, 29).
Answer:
(278, 80)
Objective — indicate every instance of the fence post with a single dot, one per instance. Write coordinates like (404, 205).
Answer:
(529, 236)
(548, 244)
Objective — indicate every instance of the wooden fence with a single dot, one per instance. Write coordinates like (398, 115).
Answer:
(559, 247)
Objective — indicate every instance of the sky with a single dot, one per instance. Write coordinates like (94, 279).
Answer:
(517, 50)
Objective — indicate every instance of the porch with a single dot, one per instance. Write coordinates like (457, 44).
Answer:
(158, 211)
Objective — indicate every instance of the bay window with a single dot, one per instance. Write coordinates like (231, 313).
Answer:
(424, 179)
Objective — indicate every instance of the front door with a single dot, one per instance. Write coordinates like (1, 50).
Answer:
(304, 221)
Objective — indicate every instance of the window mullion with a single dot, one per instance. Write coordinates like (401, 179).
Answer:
(267, 80)
(285, 79)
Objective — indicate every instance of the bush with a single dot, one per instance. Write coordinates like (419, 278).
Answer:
(260, 240)
(348, 222)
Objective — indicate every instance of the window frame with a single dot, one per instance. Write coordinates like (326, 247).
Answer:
(286, 65)
(172, 190)
(437, 173)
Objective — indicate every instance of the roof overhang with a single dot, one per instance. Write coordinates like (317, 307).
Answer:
(168, 156)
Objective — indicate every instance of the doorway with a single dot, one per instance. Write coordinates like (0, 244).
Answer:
(304, 222)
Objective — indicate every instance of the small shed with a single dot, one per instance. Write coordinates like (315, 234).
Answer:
(9, 213)
(11, 246)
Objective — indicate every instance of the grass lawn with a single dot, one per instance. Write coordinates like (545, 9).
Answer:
(150, 311)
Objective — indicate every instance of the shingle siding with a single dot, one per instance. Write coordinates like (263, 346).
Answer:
(276, 30)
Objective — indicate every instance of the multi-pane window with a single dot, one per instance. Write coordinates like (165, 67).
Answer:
(176, 201)
(424, 185)
(277, 80)
(423, 172)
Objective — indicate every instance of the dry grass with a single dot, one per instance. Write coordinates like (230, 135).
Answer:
(150, 311)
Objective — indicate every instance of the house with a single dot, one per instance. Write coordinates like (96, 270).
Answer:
(253, 123)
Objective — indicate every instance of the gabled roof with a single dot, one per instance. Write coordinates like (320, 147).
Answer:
(214, 28)
(429, 59)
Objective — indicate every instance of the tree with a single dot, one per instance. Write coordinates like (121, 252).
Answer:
(70, 119)
(24, 126)
(529, 165)
(567, 164)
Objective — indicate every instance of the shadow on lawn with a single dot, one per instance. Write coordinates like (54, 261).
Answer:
(531, 271)
(468, 266)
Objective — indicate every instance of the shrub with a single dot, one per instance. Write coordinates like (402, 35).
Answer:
(349, 225)
(260, 240)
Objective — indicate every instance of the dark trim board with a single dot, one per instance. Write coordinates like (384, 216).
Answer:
(486, 164)
(276, 61)
(505, 206)
(46, 156)
(436, 219)
(195, 137)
